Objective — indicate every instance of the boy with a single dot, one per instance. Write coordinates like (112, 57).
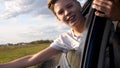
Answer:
(68, 12)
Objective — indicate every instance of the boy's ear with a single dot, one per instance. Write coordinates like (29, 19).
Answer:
(78, 3)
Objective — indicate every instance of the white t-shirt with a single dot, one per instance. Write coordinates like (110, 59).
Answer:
(68, 41)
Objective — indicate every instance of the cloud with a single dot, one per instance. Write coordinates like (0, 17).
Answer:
(14, 33)
(82, 2)
(45, 31)
(14, 8)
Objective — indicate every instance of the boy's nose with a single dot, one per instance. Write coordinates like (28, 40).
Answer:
(67, 12)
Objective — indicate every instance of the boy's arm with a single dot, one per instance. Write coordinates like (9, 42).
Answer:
(30, 60)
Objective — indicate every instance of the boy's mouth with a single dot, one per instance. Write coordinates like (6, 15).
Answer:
(71, 18)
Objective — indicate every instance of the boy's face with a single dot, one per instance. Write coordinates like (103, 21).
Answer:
(68, 11)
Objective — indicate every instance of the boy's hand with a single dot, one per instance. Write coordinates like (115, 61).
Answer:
(110, 9)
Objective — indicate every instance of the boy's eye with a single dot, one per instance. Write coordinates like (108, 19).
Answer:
(60, 12)
(69, 6)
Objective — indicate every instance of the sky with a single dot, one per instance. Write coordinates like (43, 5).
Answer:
(28, 20)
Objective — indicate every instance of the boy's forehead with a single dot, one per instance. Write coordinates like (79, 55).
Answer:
(64, 0)
(62, 3)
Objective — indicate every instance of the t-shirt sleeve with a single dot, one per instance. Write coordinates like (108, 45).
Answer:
(59, 44)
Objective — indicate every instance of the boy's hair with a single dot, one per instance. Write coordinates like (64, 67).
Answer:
(51, 4)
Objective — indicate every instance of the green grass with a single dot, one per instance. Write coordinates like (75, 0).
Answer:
(9, 53)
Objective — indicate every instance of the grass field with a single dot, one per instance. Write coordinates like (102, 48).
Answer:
(9, 53)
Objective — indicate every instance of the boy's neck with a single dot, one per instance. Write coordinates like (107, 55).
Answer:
(78, 29)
